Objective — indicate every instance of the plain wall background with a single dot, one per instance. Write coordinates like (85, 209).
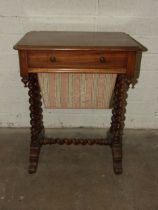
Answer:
(139, 18)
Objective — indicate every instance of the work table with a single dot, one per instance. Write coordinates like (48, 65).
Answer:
(88, 60)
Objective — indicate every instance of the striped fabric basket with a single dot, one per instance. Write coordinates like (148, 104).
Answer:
(76, 91)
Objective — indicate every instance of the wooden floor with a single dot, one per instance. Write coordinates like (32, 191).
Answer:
(79, 177)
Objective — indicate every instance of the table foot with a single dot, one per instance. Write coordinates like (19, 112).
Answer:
(33, 159)
(117, 165)
(32, 168)
(117, 159)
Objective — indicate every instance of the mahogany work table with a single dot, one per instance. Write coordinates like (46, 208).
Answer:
(78, 53)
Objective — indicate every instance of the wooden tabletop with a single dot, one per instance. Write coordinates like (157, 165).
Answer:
(46, 40)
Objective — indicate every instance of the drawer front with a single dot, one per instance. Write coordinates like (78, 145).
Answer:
(76, 59)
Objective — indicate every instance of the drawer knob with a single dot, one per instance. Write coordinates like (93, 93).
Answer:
(102, 59)
(52, 59)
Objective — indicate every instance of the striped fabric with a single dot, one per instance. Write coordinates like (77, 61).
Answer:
(76, 91)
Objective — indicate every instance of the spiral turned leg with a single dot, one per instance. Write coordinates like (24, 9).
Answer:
(37, 128)
(118, 118)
